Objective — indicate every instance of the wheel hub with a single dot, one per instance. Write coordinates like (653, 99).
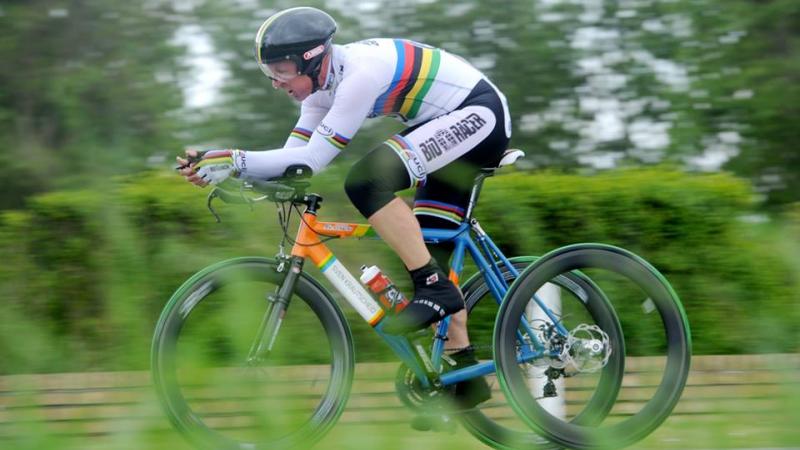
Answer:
(586, 349)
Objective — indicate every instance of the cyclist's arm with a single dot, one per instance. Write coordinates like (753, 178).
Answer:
(355, 97)
(311, 114)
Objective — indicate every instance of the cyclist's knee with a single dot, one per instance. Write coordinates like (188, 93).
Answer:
(372, 181)
(358, 189)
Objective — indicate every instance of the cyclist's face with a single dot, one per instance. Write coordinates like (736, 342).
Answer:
(285, 77)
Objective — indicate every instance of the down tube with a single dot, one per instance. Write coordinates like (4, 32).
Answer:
(369, 309)
(350, 289)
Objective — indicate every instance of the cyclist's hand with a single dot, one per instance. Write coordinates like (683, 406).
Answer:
(209, 167)
(186, 167)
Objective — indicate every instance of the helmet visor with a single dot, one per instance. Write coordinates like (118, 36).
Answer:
(284, 70)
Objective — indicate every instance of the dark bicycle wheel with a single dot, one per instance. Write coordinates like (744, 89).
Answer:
(580, 301)
(219, 399)
(655, 329)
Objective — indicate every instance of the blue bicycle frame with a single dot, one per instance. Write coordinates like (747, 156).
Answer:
(490, 262)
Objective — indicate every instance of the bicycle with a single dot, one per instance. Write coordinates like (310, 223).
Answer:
(227, 329)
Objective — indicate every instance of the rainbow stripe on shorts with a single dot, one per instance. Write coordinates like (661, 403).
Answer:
(441, 210)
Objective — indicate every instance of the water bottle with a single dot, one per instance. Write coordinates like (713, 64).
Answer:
(392, 300)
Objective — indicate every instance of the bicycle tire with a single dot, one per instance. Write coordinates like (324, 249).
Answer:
(676, 329)
(186, 301)
(499, 436)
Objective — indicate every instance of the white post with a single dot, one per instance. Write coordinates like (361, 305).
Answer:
(550, 294)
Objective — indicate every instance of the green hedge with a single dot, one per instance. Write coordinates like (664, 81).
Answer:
(739, 290)
(85, 273)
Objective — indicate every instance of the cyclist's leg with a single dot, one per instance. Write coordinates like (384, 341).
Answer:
(443, 200)
(435, 206)
(463, 140)
(455, 147)
(442, 203)
(371, 185)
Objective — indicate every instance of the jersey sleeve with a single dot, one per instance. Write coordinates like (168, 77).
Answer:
(354, 98)
(311, 115)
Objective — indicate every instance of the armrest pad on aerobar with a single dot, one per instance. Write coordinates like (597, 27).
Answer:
(298, 171)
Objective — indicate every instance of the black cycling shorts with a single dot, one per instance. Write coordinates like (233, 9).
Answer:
(440, 157)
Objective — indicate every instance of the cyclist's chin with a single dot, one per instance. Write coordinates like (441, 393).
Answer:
(299, 95)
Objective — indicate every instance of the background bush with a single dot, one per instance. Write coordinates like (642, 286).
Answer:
(85, 273)
(735, 279)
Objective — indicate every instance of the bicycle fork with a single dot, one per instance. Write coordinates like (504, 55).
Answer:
(278, 304)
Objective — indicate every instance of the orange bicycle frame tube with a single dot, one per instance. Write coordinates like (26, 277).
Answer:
(308, 245)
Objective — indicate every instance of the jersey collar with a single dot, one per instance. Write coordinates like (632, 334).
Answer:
(332, 78)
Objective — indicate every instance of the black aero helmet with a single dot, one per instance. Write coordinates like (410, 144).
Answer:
(302, 35)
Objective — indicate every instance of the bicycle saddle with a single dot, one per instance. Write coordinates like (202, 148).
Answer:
(510, 156)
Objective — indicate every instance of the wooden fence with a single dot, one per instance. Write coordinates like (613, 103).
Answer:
(100, 403)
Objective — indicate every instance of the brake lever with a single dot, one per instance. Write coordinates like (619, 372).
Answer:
(189, 161)
(211, 196)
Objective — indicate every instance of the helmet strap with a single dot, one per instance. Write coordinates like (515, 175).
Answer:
(315, 85)
(315, 80)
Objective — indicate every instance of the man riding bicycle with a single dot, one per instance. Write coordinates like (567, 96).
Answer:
(458, 122)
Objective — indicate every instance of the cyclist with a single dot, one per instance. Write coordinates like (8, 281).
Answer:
(458, 122)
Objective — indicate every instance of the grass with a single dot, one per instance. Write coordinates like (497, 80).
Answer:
(680, 432)
(145, 427)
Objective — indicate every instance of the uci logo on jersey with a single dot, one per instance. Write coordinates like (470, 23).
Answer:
(324, 130)
(415, 167)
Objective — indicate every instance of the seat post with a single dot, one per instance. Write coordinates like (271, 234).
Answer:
(510, 156)
(476, 189)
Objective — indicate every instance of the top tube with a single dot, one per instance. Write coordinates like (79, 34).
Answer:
(436, 235)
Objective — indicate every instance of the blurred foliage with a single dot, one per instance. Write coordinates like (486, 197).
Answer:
(745, 61)
(699, 83)
(80, 92)
(738, 287)
(86, 272)
(98, 87)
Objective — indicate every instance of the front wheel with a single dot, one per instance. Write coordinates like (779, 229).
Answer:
(655, 329)
(220, 397)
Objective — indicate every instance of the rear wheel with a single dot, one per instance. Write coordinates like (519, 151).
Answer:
(494, 422)
(655, 328)
(217, 397)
